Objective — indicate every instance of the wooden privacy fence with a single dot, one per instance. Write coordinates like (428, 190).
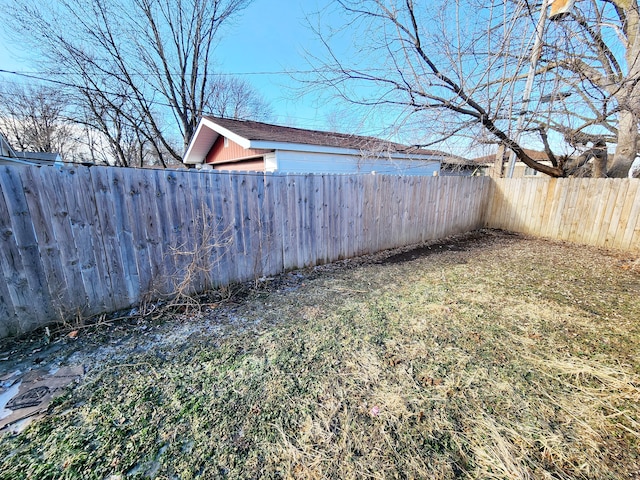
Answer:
(597, 212)
(82, 241)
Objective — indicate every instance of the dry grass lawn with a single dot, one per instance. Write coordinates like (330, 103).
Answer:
(489, 356)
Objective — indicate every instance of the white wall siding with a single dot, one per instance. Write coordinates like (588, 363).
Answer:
(270, 162)
(305, 162)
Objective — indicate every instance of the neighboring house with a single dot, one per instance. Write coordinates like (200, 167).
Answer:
(498, 164)
(225, 144)
(8, 156)
(462, 167)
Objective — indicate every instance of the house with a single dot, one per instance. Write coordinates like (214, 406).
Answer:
(226, 144)
(455, 166)
(8, 156)
(498, 164)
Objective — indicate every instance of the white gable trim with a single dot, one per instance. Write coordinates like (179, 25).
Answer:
(243, 142)
(203, 139)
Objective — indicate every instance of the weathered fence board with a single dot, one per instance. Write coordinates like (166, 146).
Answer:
(25, 271)
(13, 291)
(39, 205)
(631, 238)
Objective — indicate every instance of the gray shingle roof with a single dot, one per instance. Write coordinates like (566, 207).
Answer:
(275, 133)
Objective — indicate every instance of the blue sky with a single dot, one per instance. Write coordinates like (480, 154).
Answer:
(268, 42)
(270, 36)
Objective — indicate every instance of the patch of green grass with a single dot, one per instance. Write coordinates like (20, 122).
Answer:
(493, 362)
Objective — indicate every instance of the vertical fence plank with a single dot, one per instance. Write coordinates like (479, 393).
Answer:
(383, 219)
(515, 191)
(135, 193)
(437, 205)
(466, 209)
(329, 216)
(546, 221)
(631, 199)
(301, 222)
(358, 215)
(448, 219)
(319, 228)
(573, 209)
(269, 246)
(431, 218)
(466, 204)
(614, 224)
(124, 218)
(344, 213)
(396, 211)
(38, 196)
(537, 213)
(614, 185)
(278, 203)
(306, 207)
(424, 196)
(524, 209)
(505, 209)
(91, 252)
(222, 227)
(631, 237)
(12, 288)
(342, 217)
(340, 238)
(62, 221)
(557, 205)
(238, 208)
(416, 211)
(159, 228)
(290, 233)
(24, 270)
(599, 211)
(200, 230)
(327, 198)
(583, 207)
(369, 215)
(106, 196)
(495, 201)
(257, 248)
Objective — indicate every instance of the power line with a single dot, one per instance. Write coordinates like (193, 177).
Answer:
(141, 74)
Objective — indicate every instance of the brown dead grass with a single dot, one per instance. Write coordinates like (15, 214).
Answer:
(488, 356)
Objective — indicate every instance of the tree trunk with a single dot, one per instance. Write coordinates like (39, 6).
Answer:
(627, 146)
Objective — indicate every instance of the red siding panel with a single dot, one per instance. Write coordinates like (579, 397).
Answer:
(250, 165)
(221, 154)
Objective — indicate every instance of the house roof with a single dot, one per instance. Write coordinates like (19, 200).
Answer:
(9, 156)
(536, 155)
(258, 135)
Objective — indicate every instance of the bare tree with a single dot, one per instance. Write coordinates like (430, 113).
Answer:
(233, 97)
(463, 64)
(35, 118)
(144, 64)
(593, 58)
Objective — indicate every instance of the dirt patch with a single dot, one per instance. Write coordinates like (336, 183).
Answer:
(500, 357)
(454, 244)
